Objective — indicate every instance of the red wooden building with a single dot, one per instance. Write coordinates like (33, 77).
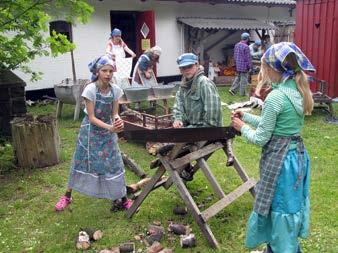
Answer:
(317, 35)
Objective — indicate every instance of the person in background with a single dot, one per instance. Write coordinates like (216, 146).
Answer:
(97, 168)
(281, 211)
(243, 64)
(197, 102)
(255, 50)
(145, 64)
(116, 46)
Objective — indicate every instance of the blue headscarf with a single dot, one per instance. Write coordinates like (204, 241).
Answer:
(275, 57)
(98, 63)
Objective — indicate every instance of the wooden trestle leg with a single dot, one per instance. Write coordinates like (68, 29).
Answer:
(173, 164)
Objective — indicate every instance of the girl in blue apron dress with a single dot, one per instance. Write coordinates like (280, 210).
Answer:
(97, 168)
(281, 211)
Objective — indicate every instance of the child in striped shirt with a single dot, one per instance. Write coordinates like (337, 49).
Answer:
(282, 206)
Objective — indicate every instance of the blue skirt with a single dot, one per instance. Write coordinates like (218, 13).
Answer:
(289, 216)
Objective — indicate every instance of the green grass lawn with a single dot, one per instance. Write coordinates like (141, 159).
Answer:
(28, 222)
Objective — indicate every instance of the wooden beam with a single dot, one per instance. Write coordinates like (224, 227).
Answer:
(145, 192)
(179, 162)
(211, 178)
(228, 199)
(243, 175)
(190, 203)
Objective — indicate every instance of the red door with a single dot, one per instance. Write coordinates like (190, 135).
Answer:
(145, 22)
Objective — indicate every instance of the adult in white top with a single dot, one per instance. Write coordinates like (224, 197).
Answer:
(116, 47)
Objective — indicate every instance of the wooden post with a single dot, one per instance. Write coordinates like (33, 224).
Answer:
(36, 141)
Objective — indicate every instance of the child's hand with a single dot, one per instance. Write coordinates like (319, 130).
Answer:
(147, 75)
(117, 127)
(237, 114)
(177, 124)
(237, 123)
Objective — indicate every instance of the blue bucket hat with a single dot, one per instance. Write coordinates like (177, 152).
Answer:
(245, 36)
(98, 63)
(258, 42)
(116, 32)
(275, 57)
(187, 59)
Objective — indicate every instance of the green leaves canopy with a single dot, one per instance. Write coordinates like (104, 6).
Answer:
(24, 30)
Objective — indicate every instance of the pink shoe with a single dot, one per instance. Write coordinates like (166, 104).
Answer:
(127, 204)
(62, 203)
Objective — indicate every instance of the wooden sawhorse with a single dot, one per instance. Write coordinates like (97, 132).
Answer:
(174, 162)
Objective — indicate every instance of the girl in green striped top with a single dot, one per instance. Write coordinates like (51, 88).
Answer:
(281, 211)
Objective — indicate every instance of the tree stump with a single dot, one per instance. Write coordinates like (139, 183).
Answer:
(36, 141)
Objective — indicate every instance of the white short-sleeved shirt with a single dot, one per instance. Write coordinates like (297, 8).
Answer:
(90, 93)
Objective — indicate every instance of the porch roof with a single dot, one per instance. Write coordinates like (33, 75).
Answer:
(226, 23)
(268, 3)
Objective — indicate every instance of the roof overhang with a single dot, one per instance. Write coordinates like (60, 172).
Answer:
(267, 3)
(226, 23)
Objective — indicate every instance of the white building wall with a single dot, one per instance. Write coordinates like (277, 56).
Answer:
(91, 38)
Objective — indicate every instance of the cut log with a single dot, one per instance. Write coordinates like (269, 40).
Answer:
(94, 234)
(36, 141)
(188, 241)
(155, 248)
(137, 186)
(127, 247)
(166, 250)
(180, 210)
(179, 229)
(82, 241)
(133, 166)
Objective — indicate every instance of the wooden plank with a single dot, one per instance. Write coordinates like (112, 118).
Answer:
(145, 192)
(228, 199)
(173, 154)
(190, 203)
(194, 170)
(211, 178)
(133, 166)
(179, 162)
(243, 175)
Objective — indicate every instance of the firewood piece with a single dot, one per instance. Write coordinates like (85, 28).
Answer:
(179, 229)
(151, 239)
(166, 250)
(97, 235)
(133, 166)
(155, 234)
(188, 241)
(127, 247)
(115, 250)
(94, 234)
(82, 241)
(108, 251)
(155, 229)
(155, 163)
(180, 210)
(138, 186)
(155, 248)
(165, 149)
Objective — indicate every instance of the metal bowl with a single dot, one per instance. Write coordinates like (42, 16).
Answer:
(69, 91)
(176, 85)
(136, 94)
(161, 91)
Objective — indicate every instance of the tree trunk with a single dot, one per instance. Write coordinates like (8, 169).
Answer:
(36, 141)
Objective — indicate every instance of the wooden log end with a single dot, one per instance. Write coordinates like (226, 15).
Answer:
(188, 241)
